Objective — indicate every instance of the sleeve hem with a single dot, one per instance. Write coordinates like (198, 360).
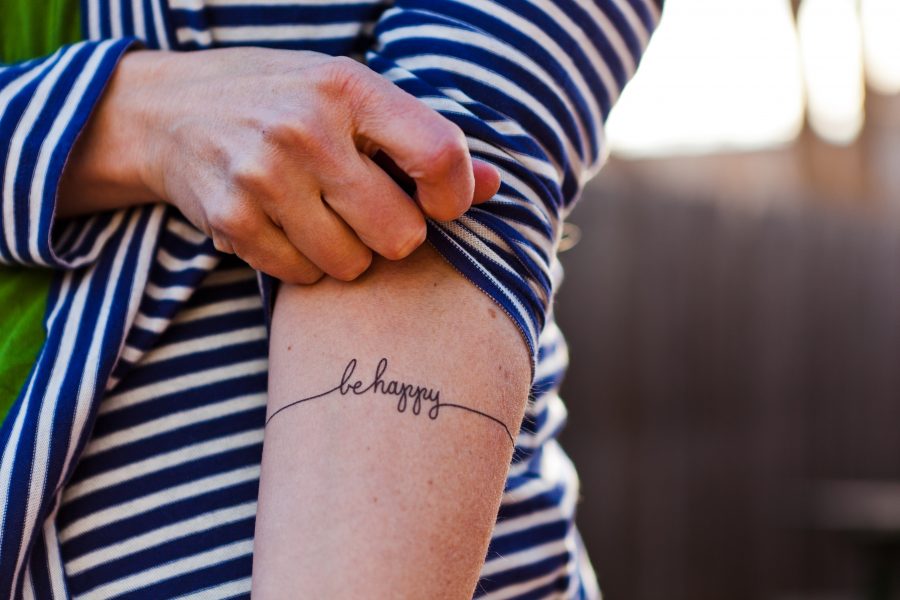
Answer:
(54, 101)
(64, 255)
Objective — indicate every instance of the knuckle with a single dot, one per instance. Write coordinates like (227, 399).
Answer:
(252, 173)
(404, 246)
(448, 161)
(309, 275)
(342, 77)
(278, 132)
(352, 266)
(448, 151)
(449, 211)
(233, 223)
(221, 243)
(301, 132)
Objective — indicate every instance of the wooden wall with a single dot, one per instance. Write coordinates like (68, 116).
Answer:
(734, 330)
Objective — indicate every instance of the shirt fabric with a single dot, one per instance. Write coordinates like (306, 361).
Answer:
(130, 459)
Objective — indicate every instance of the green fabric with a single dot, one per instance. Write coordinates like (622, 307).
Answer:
(32, 28)
(23, 300)
(28, 29)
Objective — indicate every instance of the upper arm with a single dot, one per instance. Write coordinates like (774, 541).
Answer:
(360, 496)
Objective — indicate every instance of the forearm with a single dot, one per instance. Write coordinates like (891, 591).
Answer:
(359, 499)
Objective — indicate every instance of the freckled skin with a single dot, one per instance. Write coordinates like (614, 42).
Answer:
(326, 461)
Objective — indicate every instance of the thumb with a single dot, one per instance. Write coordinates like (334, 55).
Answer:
(487, 181)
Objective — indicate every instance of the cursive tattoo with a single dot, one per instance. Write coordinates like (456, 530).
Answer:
(408, 395)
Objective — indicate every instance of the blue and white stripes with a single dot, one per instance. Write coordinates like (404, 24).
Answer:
(129, 465)
(339, 27)
(147, 20)
(47, 428)
(530, 83)
(45, 104)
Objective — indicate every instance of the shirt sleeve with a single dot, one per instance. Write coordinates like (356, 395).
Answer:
(44, 105)
(530, 83)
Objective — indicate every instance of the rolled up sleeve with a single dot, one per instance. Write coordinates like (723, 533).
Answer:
(531, 84)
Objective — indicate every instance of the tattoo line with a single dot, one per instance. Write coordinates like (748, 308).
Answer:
(405, 392)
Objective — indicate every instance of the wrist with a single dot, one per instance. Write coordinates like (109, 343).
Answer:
(144, 105)
(112, 163)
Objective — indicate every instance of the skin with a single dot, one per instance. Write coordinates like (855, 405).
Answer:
(357, 500)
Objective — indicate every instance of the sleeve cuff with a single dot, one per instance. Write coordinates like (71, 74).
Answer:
(44, 105)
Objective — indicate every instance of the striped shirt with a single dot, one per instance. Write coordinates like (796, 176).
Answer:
(130, 460)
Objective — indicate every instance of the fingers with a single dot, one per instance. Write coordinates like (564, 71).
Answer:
(385, 218)
(487, 181)
(325, 239)
(297, 235)
(266, 248)
(388, 165)
(487, 178)
(426, 146)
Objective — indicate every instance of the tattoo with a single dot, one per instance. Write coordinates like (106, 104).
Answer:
(408, 395)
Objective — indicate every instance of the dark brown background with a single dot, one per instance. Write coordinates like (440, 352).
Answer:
(734, 389)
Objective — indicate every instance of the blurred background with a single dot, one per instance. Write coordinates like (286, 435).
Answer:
(732, 306)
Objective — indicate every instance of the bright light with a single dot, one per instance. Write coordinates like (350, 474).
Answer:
(832, 58)
(718, 75)
(881, 44)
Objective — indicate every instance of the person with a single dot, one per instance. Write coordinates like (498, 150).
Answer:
(380, 424)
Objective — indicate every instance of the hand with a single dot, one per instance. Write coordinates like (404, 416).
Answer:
(273, 155)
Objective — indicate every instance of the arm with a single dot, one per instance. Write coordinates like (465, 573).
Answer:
(357, 499)
(272, 167)
(530, 84)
